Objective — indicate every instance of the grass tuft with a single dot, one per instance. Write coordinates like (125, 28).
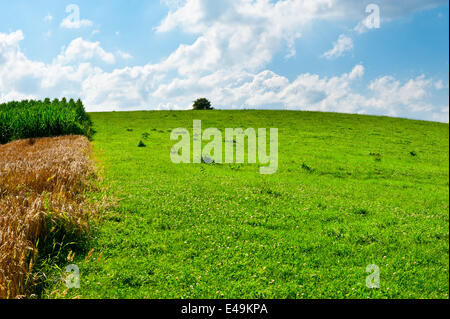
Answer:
(141, 144)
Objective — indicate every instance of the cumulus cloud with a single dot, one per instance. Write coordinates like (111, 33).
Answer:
(439, 85)
(75, 24)
(173, 4)
(150, 85)
(81, 50)
(239, 34)
(340, 47)
(227, 62)
(124, 55)
(10, 41)
(246, 34)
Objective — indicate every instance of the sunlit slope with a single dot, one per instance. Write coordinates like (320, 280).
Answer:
(350, 191)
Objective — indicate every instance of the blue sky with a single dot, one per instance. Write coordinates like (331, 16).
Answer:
(290, 54)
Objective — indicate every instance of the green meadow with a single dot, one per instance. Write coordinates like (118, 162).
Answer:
(350, 191)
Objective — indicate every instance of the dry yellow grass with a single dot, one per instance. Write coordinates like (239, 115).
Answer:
(41, 189)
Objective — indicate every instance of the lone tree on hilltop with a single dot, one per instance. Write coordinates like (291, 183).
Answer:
(202, 104)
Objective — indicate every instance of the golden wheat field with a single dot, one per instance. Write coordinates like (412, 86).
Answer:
(42, 184)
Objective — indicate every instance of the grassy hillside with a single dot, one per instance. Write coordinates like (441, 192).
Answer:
(350, 191)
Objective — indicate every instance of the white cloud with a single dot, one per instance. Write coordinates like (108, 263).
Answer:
(68, 24)
(9, 41)
(357, 72)
(291, 45)
(235, 41)
(173, 4)
(439, 85)
(441, 115)
(71, 74)
(246, 34)
(361, 27)
(81, 50)
(340, 47)
(150, 85)
(239, 34)
(391, 97)
(124, 55)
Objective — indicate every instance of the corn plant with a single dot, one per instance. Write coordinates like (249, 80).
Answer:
(30, 119)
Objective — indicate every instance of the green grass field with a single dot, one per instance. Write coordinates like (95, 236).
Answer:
(350, 191)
